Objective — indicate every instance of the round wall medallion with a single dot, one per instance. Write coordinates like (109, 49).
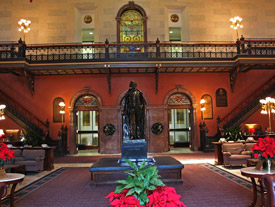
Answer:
(88, 19)
(157, 128)
(174, 18)
(109, 129)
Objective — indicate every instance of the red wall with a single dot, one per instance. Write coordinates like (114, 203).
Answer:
(47, 88)
(8, 123)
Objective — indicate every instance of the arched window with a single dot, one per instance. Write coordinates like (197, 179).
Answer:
(208, 105)
(87, 101)
(221, 97)
(178, 99)
(57, 116)
(131, 26)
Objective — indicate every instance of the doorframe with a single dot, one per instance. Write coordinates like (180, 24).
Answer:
(190, 118)
(193, 109)
(73, 118)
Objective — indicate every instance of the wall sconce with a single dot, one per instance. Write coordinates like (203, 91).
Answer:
(236, 23)
(202, 102)
(2, 107)
(24, 26)
(62, 110)
(268, 107)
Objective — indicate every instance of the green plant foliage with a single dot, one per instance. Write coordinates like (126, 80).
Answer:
(32, 138)
(140, 180)
(234, 134)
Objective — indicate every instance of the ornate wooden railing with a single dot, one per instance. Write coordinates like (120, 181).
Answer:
(249, 105)
(21, 115)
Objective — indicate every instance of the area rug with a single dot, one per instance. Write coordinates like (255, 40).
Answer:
(204, 186)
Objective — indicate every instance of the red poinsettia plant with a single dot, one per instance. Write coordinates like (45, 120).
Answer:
(5, 154)
(143, 188)
(3, 136)
(252, 131)
(264, 149)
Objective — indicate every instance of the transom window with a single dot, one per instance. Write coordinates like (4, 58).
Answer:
(178, 99)
(87, 101)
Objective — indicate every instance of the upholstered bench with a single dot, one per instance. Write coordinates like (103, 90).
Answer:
(108, 170)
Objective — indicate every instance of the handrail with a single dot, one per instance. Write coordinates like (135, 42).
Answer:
(257, 92)
(104, 51)
(11, 102)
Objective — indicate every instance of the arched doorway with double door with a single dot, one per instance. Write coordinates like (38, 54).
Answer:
(84, 124)
(181, 107)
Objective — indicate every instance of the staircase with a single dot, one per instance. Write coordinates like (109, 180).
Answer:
(20, 115)
(250, 105)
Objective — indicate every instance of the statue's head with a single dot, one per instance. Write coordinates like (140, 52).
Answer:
(133, 84)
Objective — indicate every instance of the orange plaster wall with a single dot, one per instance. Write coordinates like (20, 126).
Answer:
(49, 87)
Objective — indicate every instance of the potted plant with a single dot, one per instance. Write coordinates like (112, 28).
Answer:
(5, 156)
(32, 138)
(234, 134)
(143, 188)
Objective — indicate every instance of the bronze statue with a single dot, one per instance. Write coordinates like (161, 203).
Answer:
(133, 115)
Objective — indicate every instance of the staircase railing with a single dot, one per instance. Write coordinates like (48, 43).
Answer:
(21, 115)
(249, 105)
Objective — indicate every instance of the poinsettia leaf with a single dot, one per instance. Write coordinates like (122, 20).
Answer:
(131, 192)
(143, 164)
(131, 164)
(138, 190)
(131, 175)
(144, 198)
(119, 189)
(140, 184)
(130, 178)
(122, 182)
(130, 185)
(152, 187)
(156, 182)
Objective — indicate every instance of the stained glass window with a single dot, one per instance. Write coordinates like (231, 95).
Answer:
(87, 101)
(178, 99)
(131, 30)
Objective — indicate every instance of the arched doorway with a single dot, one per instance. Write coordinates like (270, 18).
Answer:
(182, 123)
(84, 121)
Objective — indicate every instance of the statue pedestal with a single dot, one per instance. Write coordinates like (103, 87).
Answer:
(134, 149)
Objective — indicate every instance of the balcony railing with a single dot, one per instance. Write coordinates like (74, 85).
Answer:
(96, 52)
